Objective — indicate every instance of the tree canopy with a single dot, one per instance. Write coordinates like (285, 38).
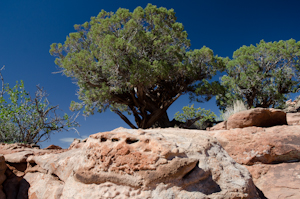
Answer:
(136, 62)
(262, 75)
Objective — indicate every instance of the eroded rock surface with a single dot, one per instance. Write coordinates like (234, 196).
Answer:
(220, 126)
(260, 117)
(124, 163)
(272, 155)
(277, 180)
(261, 145)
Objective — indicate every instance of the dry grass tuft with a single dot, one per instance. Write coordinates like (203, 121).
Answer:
(238, 106)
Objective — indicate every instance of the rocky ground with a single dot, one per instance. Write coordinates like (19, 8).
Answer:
(255, 154)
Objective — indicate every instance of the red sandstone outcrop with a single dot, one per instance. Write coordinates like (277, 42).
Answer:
(261, 117)
(16, 155)
(165, 163)
(156, 163)
(220, 126)
(256, 144)
(271, 155)
(52, 146)
(277, 180)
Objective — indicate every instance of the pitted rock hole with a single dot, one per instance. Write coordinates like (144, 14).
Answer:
(32, 164)
(131, 140)
(103, 139)
(114, 139)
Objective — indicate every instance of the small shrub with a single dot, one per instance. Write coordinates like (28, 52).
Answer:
(29, 120)
(189, 113)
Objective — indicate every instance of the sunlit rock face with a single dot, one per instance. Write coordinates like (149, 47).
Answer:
(125, 163)
(272, 155)
(253, 145)
(260, 117)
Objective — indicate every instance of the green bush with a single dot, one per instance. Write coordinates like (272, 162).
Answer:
(29, 120)
(189, 112)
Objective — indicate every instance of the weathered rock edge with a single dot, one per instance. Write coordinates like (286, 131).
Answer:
(125, 163)
(260, 117)
(272, 156)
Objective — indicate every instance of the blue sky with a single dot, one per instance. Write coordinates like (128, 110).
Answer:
(27, 28)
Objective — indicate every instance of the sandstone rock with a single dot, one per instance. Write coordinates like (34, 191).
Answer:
(220, 126)
(19, 152)
(293, 118)
(278, 147)
(261, 117)
(42, 185)
(18, 156)
(77, 143)
(16, 146)
(266, 145)
(277, 180)
(52, 146)
(156, 163)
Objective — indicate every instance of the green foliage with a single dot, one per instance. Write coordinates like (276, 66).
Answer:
(27, 120)
(138, 61)
(189, 112)
(262, 75)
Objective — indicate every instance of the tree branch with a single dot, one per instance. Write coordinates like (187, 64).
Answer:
(123, 117)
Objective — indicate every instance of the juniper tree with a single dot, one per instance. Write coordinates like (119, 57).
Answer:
(136, 62)
(262, 75)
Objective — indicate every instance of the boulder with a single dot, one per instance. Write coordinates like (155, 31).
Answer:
(219, 126)
(127, 163)
(277, 180)
(293, 118)
(261, 117)
(52, 146)
(261, 145)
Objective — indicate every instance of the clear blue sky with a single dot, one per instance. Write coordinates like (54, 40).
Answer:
(27, 28)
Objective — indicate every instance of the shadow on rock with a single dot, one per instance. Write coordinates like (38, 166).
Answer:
(15, 187)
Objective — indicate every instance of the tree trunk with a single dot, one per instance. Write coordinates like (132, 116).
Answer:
(163, 122)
